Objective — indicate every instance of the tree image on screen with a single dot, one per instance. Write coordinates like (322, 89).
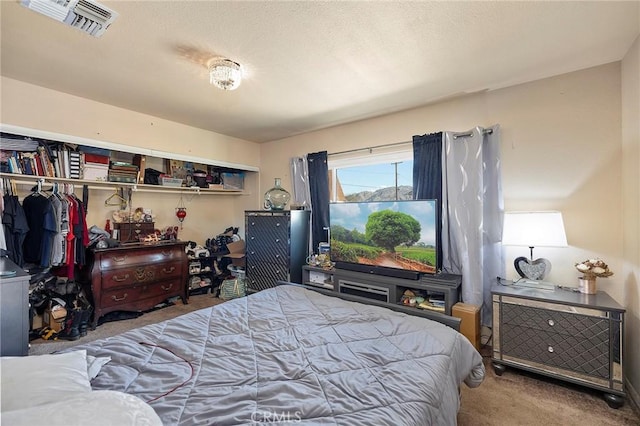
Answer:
(386, 238)
(388, 229)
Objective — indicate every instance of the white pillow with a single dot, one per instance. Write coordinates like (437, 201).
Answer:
(34, 380)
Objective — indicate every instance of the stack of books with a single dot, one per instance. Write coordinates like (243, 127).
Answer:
(96, 165)
(76, 160)
(123, 172)
(433, 303)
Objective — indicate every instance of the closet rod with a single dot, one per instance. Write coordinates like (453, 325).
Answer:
(370, 148)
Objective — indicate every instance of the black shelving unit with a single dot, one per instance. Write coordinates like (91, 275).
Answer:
(202, 275)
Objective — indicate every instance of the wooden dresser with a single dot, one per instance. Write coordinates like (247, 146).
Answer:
(136, 277)
(132, 231)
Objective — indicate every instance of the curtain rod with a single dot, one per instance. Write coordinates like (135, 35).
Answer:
(466, 135)
(370, 148)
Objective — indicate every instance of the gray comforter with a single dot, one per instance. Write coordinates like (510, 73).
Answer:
(291, 355)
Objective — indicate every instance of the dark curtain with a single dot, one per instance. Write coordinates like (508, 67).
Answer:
(319, 188)
(427, 178)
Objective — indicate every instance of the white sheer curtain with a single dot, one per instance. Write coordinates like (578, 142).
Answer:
(301, 193)
(472, 212)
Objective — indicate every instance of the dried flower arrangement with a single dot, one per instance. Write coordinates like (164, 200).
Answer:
(592, 268)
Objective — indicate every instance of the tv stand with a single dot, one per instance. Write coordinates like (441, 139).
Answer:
(382, 288)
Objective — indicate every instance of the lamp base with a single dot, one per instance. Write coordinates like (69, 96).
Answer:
(538, 285)
(532, 269)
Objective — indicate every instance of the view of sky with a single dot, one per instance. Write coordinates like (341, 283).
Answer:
(377, 176)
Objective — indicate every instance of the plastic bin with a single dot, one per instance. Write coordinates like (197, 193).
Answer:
(167, 181)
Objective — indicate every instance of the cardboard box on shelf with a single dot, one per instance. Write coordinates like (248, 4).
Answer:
(237, 253)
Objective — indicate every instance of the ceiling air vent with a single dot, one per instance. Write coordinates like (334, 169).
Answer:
(85, 15)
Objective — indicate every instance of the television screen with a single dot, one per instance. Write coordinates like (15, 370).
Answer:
(384, 236)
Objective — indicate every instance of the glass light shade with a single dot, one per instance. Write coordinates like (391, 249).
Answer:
(534, 229)
(225, 74)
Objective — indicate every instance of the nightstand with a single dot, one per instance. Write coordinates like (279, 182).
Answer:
(562, 334)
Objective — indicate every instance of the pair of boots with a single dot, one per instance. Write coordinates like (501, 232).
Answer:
(76, 324)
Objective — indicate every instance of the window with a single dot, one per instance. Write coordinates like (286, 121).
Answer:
(383, 176)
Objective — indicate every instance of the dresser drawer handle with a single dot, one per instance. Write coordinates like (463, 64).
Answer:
(118, 299)
(168, 271)
(119, 258)
(551, 322)
(277, 240)
(550, 349)
(167, 288)
(119, 279)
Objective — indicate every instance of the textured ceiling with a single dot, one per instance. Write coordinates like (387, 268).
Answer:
(309, 65)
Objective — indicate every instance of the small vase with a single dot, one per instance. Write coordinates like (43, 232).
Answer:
(277, 197)
(587, 285)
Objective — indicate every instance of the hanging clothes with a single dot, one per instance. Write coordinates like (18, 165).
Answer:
(16, 227)
(3, 241)
(56, 250)
(38, 243)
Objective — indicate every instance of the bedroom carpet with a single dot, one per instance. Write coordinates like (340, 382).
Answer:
(515, 398)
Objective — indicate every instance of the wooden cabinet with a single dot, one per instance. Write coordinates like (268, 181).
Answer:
(132, 231)
(137, 277)
(14, 309)
(277, 245)
(562, 334)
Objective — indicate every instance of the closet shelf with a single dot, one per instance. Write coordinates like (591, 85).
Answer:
(110, 186)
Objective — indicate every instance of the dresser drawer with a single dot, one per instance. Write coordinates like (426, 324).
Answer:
(131, 231)
(274, 251)
(274, 271)
(573, 353)
(570, 324)
(263, 282)
(137, 293)
(127, 276)
(122, 258)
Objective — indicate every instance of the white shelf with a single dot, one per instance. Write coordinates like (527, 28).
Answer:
(59, 137)
(110, 186)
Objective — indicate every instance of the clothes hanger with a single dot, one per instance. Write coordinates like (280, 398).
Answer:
(116, 199)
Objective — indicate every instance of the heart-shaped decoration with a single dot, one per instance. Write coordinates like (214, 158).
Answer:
(532, 269)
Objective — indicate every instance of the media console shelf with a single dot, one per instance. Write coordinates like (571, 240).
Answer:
(382, 288)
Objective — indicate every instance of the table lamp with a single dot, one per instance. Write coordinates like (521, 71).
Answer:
(533, 229)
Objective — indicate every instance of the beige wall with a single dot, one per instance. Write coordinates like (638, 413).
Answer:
(630, 273)
(34, 107)
(562, 149)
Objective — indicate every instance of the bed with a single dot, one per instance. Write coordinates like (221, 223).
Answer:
(290, 354)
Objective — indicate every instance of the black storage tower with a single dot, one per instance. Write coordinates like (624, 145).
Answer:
(277, 246)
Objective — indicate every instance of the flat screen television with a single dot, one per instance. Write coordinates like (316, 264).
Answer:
(392, 238)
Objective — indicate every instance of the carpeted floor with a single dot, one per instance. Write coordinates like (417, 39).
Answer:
(515, 398)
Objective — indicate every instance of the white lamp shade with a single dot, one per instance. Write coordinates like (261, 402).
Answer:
(534, 229)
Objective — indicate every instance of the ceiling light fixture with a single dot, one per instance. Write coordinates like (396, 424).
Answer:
(225, 74)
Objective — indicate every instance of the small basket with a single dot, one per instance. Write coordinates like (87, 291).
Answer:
(167, 181)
